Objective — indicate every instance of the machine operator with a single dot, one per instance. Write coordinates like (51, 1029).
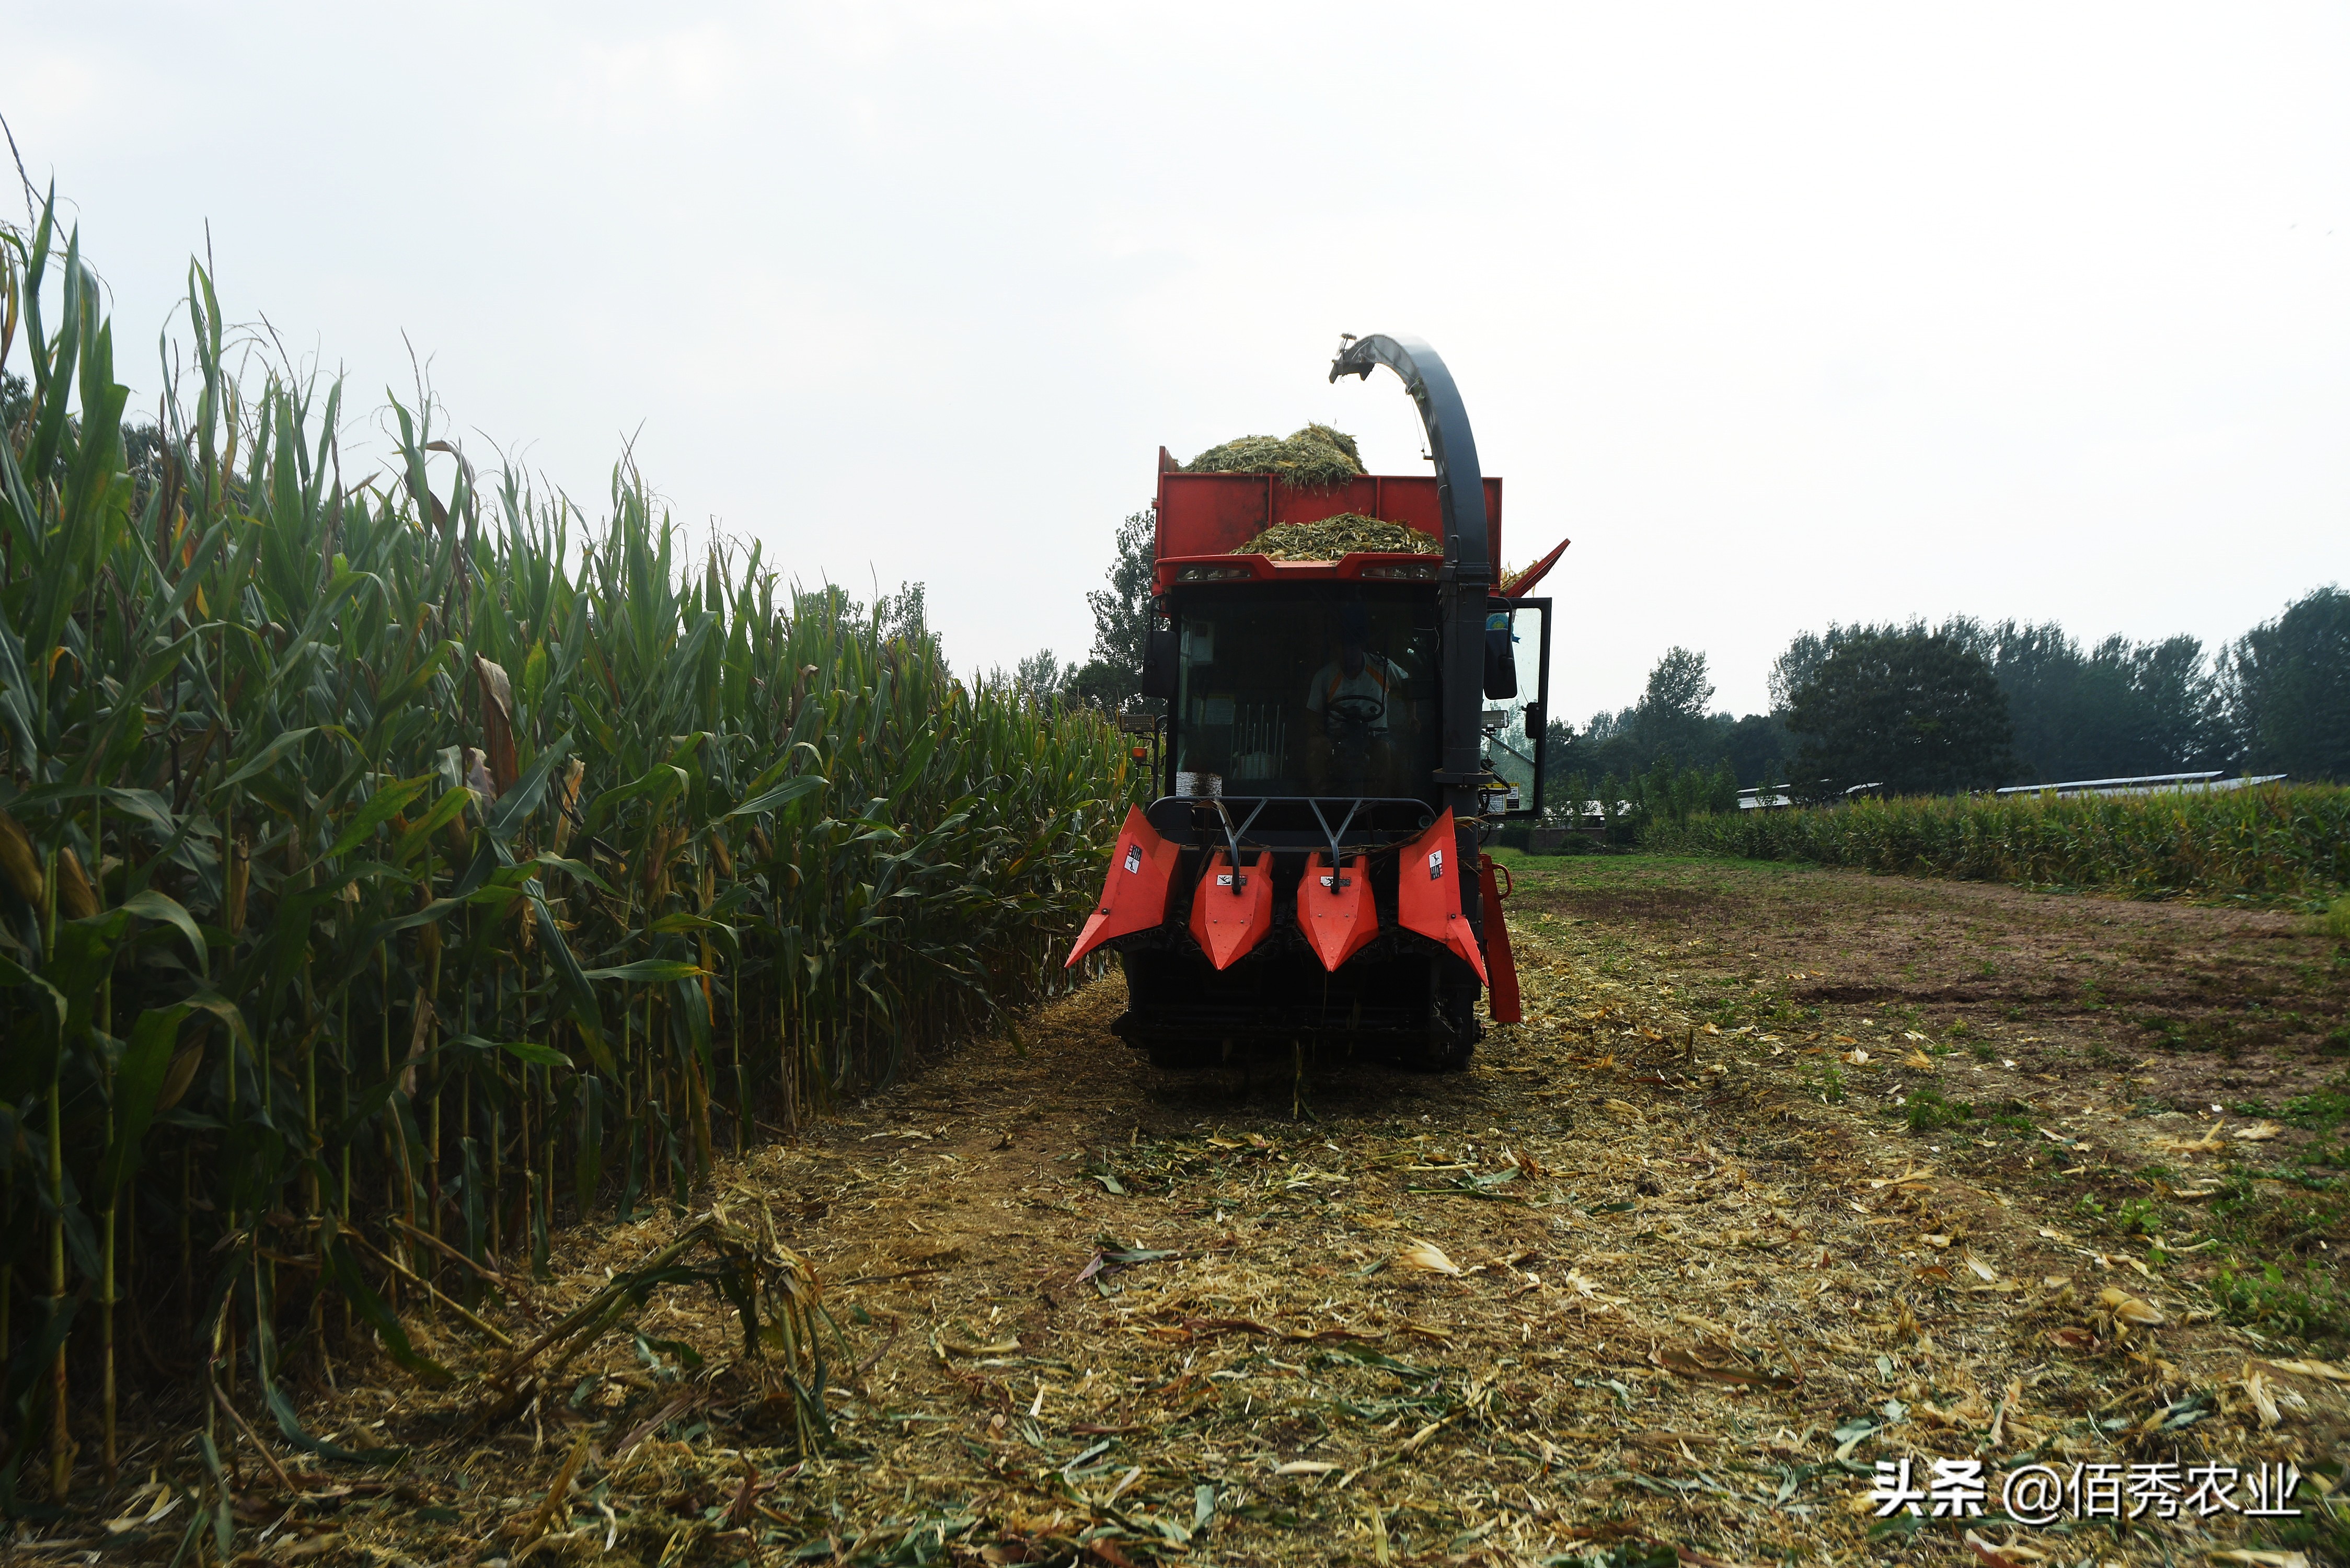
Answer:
(1350, 700)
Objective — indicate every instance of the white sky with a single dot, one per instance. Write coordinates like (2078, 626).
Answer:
(1784, 314)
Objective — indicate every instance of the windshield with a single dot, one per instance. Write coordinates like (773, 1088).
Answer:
(1329, 693)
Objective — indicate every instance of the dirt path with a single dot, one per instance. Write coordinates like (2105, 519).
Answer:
(1668, 1271)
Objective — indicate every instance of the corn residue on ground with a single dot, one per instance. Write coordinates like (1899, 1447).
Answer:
(1663, 1279)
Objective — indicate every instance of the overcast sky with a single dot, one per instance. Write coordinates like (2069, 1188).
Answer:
(1785, 315)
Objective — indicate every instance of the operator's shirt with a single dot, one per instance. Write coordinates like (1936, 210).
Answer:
(1378, 680)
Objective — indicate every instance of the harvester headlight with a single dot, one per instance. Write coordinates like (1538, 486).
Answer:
(1212, 574)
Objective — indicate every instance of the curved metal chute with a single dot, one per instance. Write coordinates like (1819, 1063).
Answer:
(1468, 575)
(1460, 484)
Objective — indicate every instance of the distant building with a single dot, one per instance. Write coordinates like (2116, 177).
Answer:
(2145, 784)
(1775, 797)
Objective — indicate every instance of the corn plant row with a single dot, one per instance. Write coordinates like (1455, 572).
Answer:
(2269, 841)
(388, 871)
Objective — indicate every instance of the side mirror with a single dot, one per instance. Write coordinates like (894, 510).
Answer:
(1501, 659)
(1534, 717)
(1158, 663)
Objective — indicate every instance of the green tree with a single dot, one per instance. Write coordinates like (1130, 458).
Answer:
(2182, 722)
(1678, 687)
(1918, 711)
(2118, 709)
(2288, 686)
(1760, 748)
(1042, 675)
(1113, 672)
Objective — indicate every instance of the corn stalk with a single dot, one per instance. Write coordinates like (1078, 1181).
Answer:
(390, 872)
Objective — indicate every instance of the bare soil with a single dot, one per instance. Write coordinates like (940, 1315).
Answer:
(1785, 1173)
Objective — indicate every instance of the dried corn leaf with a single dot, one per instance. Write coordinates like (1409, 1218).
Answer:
(2210, 1143)
(2258, 1132)
(1721, 1366)
(1671, 1442)
(2325, 1369)
(2256, 1389)
(1428, 1256)
(963, 1347)
(2008, 1556)
(2133, 1310)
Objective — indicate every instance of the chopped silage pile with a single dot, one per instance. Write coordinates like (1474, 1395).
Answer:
(1315, 455)
(1343, 535)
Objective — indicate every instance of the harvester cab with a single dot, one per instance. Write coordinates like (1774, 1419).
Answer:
(1340, 737)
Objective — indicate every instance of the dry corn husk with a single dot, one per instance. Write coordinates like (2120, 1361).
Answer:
(2210, 1143)
(1427, 1255)
(17, 859)
(2263, 1400)
(75, 898)
(2328, 1370)
(2130, 1309)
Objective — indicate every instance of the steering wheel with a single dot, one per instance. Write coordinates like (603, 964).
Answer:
(1356, 708)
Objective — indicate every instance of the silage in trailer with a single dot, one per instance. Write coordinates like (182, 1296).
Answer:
(1316, 455)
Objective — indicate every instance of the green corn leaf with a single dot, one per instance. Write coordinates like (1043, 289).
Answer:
(380, 808)
(660, 782)
(649, 971)
(443, 812)
(13, 973)
(514, 807)
(269, 755)
(780, 796)
(289, 1427)
(150, 905)
(535, 1054)
(138, 1085)
(379, 1317)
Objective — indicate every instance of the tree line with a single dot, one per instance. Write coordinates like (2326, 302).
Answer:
(1970, 705)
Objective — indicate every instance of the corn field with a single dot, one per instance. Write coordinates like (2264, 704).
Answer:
(391, 870)
(2272, 841)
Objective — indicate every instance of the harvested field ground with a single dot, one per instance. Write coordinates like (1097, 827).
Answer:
(1787, 1172)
